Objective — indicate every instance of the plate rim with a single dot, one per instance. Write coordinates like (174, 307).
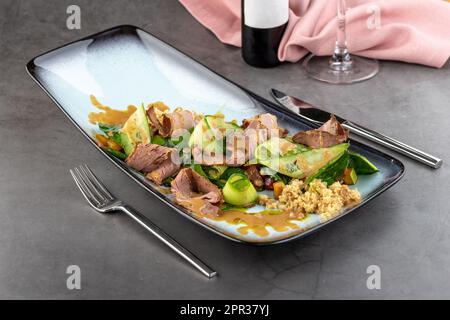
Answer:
(30, 69)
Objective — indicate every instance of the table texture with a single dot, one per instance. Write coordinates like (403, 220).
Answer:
(46, 226)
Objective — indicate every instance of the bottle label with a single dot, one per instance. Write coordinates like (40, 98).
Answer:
(265, 14)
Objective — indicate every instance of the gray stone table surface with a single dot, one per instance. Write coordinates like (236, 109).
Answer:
(45, 225)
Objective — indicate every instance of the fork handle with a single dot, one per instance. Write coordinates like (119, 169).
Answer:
(168, 240)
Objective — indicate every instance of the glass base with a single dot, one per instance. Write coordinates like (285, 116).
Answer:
(359, 69)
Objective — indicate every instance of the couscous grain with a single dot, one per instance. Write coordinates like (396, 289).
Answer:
(299, 199)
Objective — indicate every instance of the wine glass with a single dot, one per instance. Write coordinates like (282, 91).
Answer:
(341, 67)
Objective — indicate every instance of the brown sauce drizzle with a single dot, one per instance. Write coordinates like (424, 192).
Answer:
(164, 190)
(195, 205)
(257, 222)
(109, 116)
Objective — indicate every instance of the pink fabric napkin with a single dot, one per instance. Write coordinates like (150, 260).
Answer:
(416, 31)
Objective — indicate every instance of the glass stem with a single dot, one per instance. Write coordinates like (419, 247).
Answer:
(341, 59)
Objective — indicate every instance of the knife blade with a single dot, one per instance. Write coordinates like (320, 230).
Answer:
(318, 116)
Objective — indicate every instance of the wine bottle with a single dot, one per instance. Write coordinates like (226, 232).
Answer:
(263, 25)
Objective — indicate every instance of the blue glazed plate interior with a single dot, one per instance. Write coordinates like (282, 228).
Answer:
(126, 65)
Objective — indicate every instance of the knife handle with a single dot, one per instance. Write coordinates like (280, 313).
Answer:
(393, 144)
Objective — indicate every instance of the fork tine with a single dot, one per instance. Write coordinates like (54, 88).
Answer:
(98, 182)
(92, 186)
(89, 186)
(83, 188)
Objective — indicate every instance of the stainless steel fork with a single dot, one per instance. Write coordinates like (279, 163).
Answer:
(103, 201)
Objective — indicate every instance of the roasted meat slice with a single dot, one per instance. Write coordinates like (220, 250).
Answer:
(196, 193)
(268, 122)
(329, 134)
(154, 121)
(259, 129)
(168, 123)
(166, 169)
(147, 157)
(157, 161)
(255, 177)
(265, 120)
